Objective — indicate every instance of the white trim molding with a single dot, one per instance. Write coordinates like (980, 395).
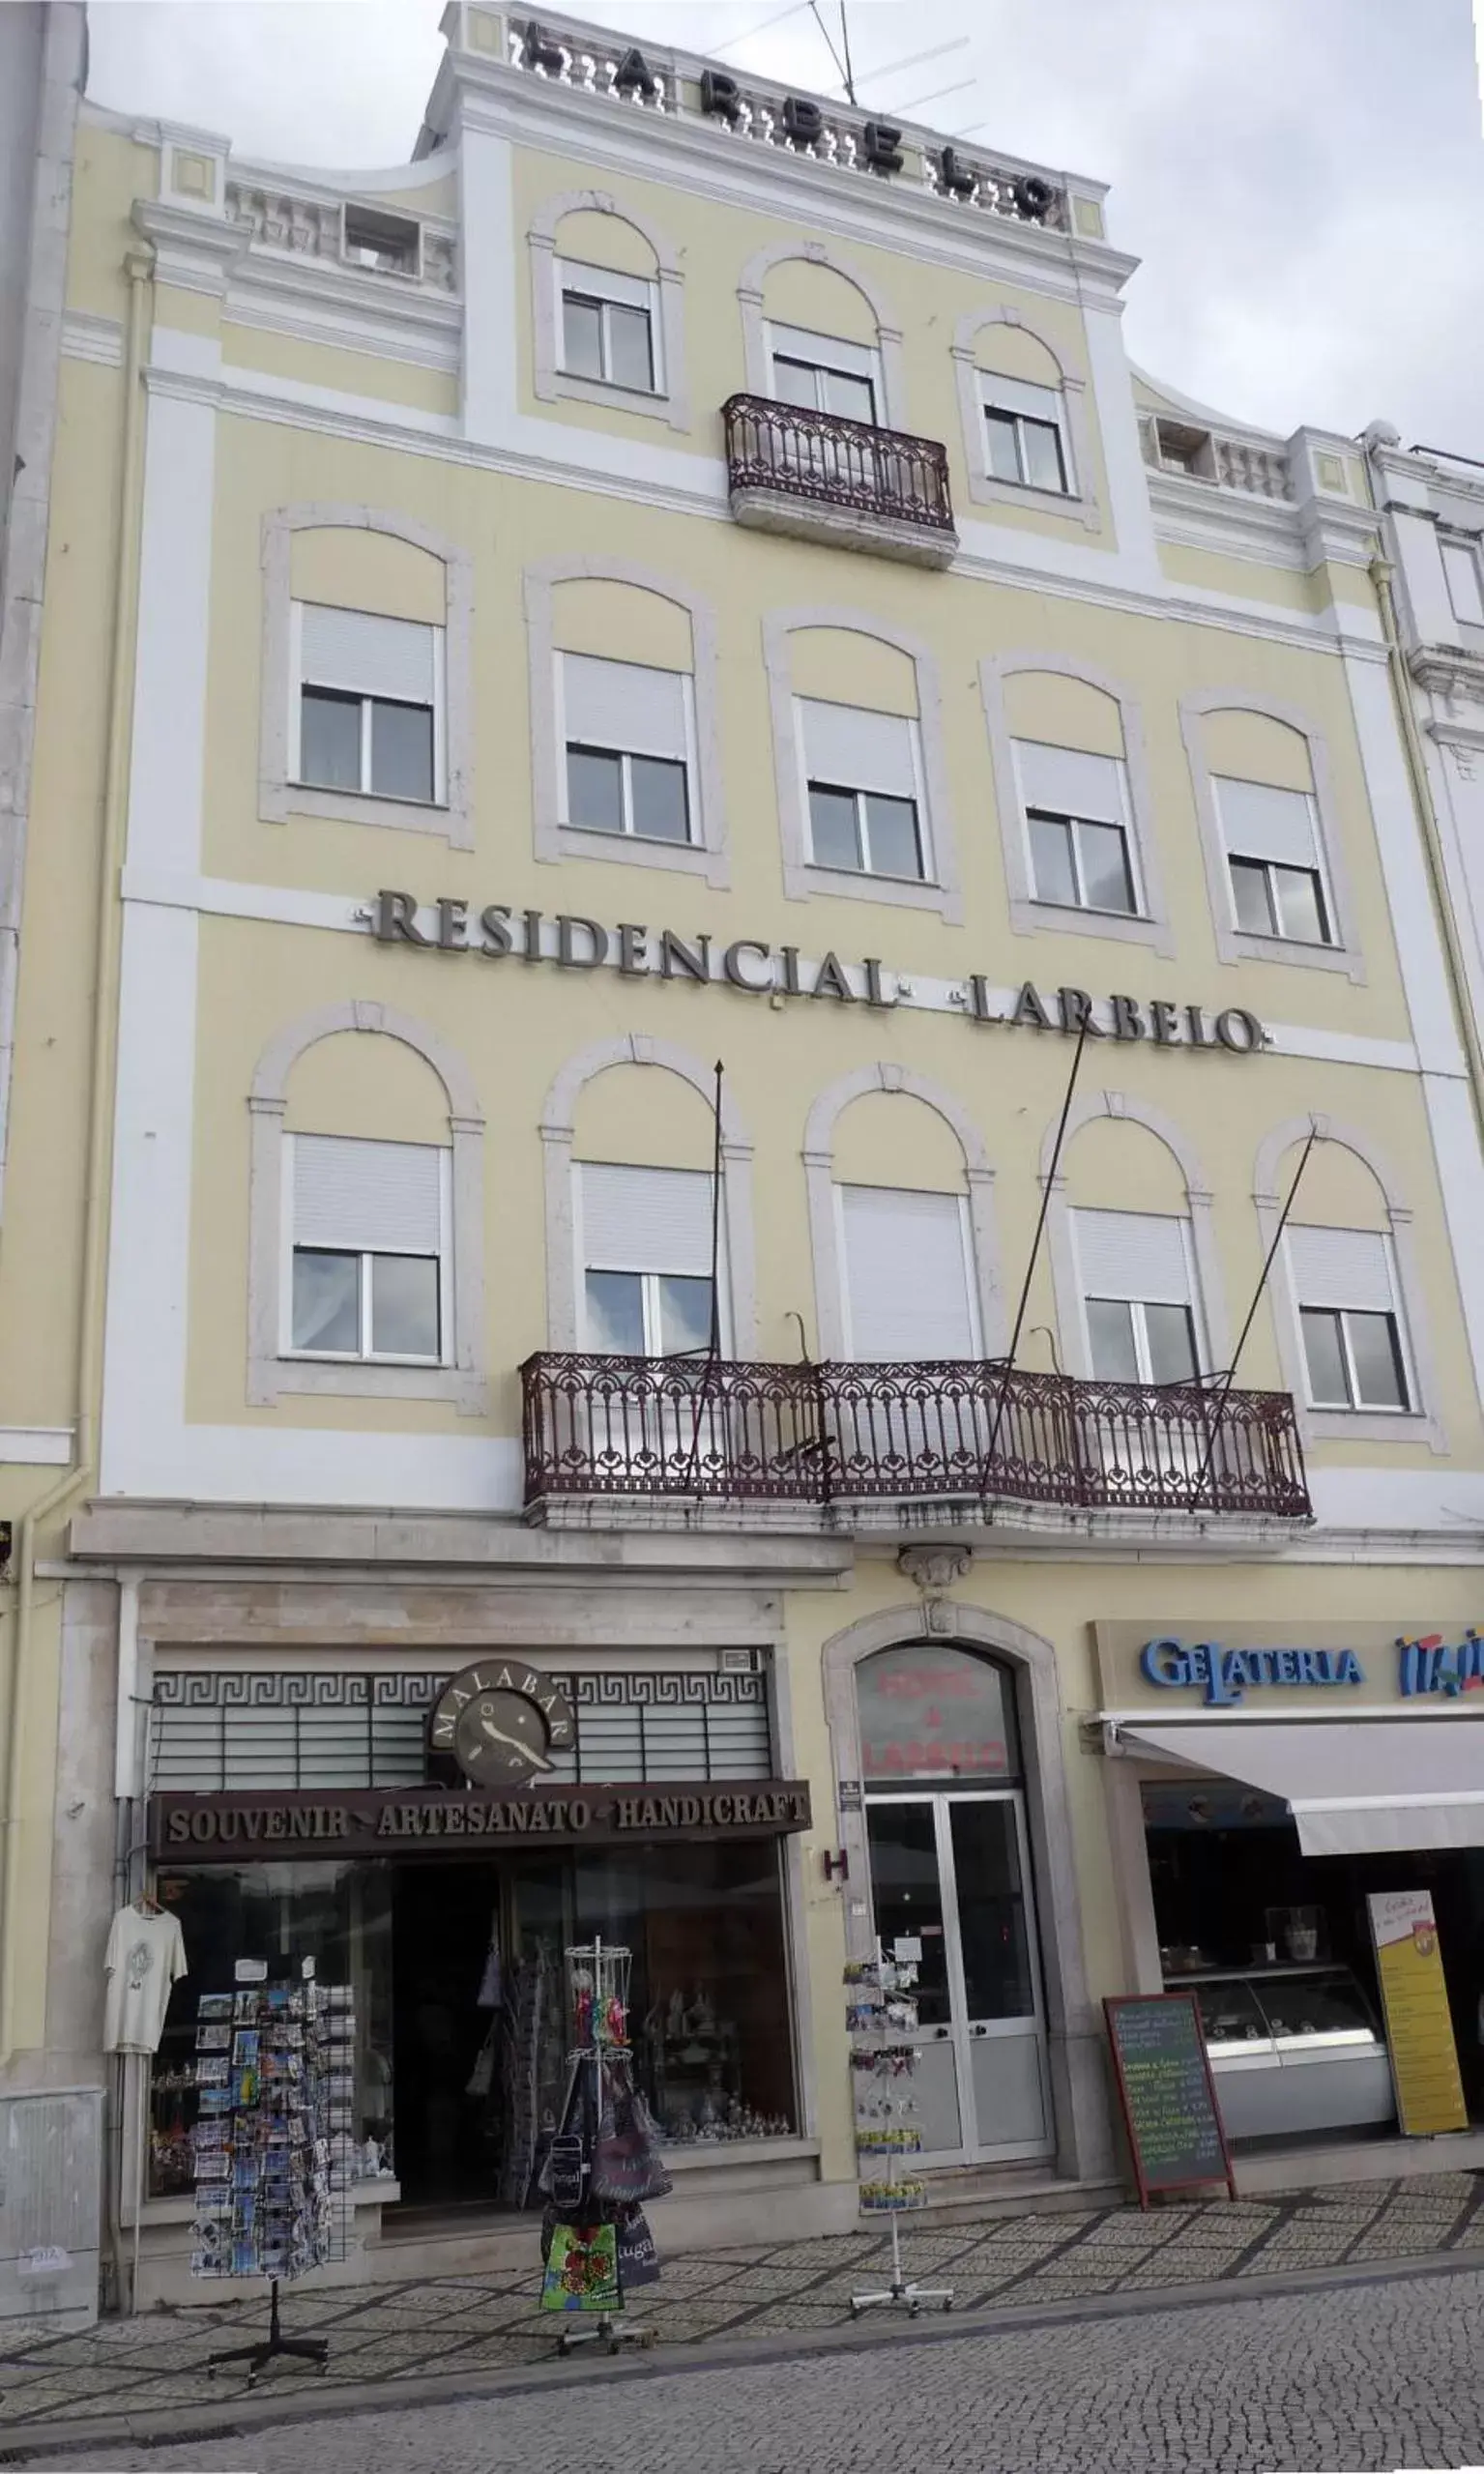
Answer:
(820, 1189)
(550, 382)
(1080, 504)
(558, 1132)
(1071, 1316)
(1080, 2106)
(751, 286)
(801, 878)
(1422, 1423)
(553, 838)
(280, 798)
(271, 1373)
(1028, 916)
(1237, 945)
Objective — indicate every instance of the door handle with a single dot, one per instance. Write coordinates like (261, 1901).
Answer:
(941, 2032)
(978, 2032)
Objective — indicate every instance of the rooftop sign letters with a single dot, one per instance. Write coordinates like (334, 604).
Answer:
(568, 942)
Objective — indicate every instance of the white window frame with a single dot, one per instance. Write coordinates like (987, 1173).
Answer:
(365, 1355)
(649, 1280)
(973, 351)
(649, 1295)
(412, 273)
(1124, 820)
(1453, 547)
(1245, 945)
(825, 355)
(1279, 935)
(366, 788)
(594, 835)
(1192, 1302)
(605, 286)
(860, 791)
(1411, 1408)
(989, 381)
(838, 1187)
(1138, 1308)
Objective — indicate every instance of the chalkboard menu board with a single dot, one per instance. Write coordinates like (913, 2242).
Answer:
(1165, 2088)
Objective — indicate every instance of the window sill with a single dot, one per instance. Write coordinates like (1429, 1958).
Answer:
(632, 850)
(1077, 507)
(1245, 945)
(616, 398)
(1371, 1426)
(359, 1378)
(896, 892)
(278, 801)
(1029, 917)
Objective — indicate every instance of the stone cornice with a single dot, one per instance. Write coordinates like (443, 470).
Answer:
(1447, 670)
(193, 252)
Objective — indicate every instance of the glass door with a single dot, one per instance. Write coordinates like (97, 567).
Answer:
(950, 1872)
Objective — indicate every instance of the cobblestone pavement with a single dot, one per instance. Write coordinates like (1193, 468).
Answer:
(1359, 2378)
(467, 2328)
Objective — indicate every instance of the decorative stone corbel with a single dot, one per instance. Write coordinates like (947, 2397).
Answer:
(933, 1569)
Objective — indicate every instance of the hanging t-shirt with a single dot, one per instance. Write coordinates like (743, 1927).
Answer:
(145, 1957)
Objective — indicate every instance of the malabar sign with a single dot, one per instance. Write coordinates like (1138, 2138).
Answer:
(568, 941)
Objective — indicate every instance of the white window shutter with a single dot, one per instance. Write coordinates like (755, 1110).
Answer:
(1070, 782)
(601, 283)
(1261, 822)
(646, 1219)
(906, 1275)
(365, 1197)
(1461, 567)
(858, 750)
(366, 656)
(1138, 1256)
(823, 352)
(1341, 1267)
(1015, 395)
(624, 703)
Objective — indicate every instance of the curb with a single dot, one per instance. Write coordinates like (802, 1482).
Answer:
(23, 2444)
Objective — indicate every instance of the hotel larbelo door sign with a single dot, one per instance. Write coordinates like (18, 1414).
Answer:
(502, 1721)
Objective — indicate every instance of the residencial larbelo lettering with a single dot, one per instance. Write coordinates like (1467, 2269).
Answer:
(406, 1820)
(572, 942)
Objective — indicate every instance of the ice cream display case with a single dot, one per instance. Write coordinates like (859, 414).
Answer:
(1294, 2048)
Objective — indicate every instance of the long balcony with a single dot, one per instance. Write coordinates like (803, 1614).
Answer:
(845, 481)
(961, 1430)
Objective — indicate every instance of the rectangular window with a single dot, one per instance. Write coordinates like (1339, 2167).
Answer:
(908, 1287)
(368, 1270)
(1345, 1288)
(647, 1260)
(823, 373)
(863, 777)
(1025, 434)
(392, 243)
(369, 704)
(608, 328)
(1139, 1292)
(1461, 567)
(628, 732)
(1271, 842)
(1076, 808)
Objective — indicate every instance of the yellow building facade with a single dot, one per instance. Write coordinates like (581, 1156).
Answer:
(738, 871)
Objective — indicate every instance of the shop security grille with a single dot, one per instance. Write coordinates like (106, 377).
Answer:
(210, 1731)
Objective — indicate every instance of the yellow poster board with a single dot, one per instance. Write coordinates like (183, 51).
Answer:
(1419, 2027)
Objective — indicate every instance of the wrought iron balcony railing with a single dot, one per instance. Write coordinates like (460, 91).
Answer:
(783, 451)
(955, 1429)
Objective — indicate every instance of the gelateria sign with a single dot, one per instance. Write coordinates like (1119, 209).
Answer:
(257, 1826)
(1370, 1662)
(568, 942)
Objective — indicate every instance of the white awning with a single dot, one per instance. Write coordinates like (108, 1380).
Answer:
(1367, 1787)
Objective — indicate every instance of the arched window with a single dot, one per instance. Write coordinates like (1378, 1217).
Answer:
(1274, 862)
(366, 715)
(606, 308)
(1072, 791)
(1027, 439)
(817, 332)
(1347, 1302)
(858, 755)
(930, 1711)
(366, 1219)
(624, 717)
(1138, 1292)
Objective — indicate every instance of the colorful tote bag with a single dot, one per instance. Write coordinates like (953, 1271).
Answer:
(582, 2269)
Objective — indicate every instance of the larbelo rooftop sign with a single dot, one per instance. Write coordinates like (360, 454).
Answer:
(568, 942)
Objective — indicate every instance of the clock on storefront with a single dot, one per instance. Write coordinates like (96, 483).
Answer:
(502, 1721)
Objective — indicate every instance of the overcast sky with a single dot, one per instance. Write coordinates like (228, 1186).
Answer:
(1302, 178)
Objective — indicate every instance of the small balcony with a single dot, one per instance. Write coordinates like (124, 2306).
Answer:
(961, 1432)
(825, 478)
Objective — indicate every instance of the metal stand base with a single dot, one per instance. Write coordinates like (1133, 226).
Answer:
(912, 2298)
(313, 2349)
(607, 2330)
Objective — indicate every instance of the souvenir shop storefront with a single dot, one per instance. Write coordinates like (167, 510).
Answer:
(1271, 1794)
(434, 1841)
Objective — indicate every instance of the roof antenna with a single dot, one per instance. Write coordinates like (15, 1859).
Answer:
(829, 45)
(850, 73)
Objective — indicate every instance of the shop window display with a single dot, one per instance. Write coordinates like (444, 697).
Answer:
(337, 1914)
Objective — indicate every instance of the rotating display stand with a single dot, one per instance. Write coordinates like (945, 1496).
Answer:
(598, 2071)
(882, 2014)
